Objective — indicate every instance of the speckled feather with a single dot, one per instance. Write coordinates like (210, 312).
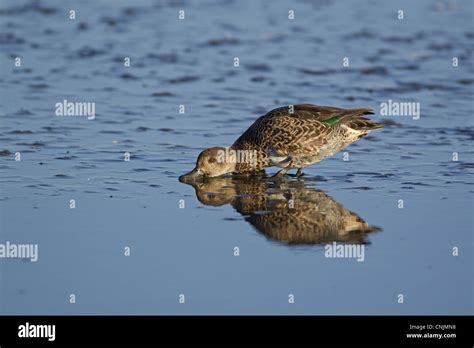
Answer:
(306, 136)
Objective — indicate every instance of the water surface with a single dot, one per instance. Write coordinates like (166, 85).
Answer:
(190, 250)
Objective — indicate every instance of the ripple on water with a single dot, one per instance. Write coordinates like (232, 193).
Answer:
(128, 76)
(111, 131)
(11, 39)
(142, 129)
(259, 67)
(375, 70)
(177, 146)
(58, 130)
(408, 67)
(415, 183)
(308, 71)
(34, 144)
(258, 79)
(467, 131)
(87, 52)
(398, 39)
(82, 26)
(63, 176)
(20, 132)
(466, 164)
(5, 153)
(465, 81)
(168, 58)
(84, 165)
(162, 94)
(359, 188)
(38, 86)
(66, 158)
(226, 41)
(33, 6)
(184, 79)
(167, 130)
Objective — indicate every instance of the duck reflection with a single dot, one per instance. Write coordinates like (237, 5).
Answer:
(288, 211)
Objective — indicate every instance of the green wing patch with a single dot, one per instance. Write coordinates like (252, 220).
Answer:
(333, 120)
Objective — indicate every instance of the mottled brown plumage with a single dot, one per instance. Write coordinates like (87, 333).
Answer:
(291, 137)
(302, 137)
(290, 212)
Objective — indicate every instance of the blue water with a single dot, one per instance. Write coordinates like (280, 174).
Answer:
(190, 250)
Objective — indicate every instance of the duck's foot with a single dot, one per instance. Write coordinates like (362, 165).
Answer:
(299, 172)
(280, 173)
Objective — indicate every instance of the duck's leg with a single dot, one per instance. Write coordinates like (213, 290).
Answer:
(283, 171)
(299, 172)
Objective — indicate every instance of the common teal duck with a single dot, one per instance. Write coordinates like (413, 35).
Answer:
(290, 137)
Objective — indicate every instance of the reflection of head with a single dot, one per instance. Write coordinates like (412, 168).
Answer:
(214, 192)
(290, 212)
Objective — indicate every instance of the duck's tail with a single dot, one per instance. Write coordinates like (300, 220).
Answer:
(363, 124)
(354, 118)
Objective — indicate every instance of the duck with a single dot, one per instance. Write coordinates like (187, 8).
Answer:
(288, 137)
(288, 211)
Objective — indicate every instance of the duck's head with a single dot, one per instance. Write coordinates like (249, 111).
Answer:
(211, 162)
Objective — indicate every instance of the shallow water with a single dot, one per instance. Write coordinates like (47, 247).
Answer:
(190, 251)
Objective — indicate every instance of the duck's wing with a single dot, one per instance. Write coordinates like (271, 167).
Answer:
(296, 130)
(299, 131)
(325, 114)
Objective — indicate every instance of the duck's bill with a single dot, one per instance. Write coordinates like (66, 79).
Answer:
(192, 175)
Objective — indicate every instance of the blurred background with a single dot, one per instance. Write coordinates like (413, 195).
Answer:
(181, 239)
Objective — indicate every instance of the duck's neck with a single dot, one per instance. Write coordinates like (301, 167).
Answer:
(244, 160)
